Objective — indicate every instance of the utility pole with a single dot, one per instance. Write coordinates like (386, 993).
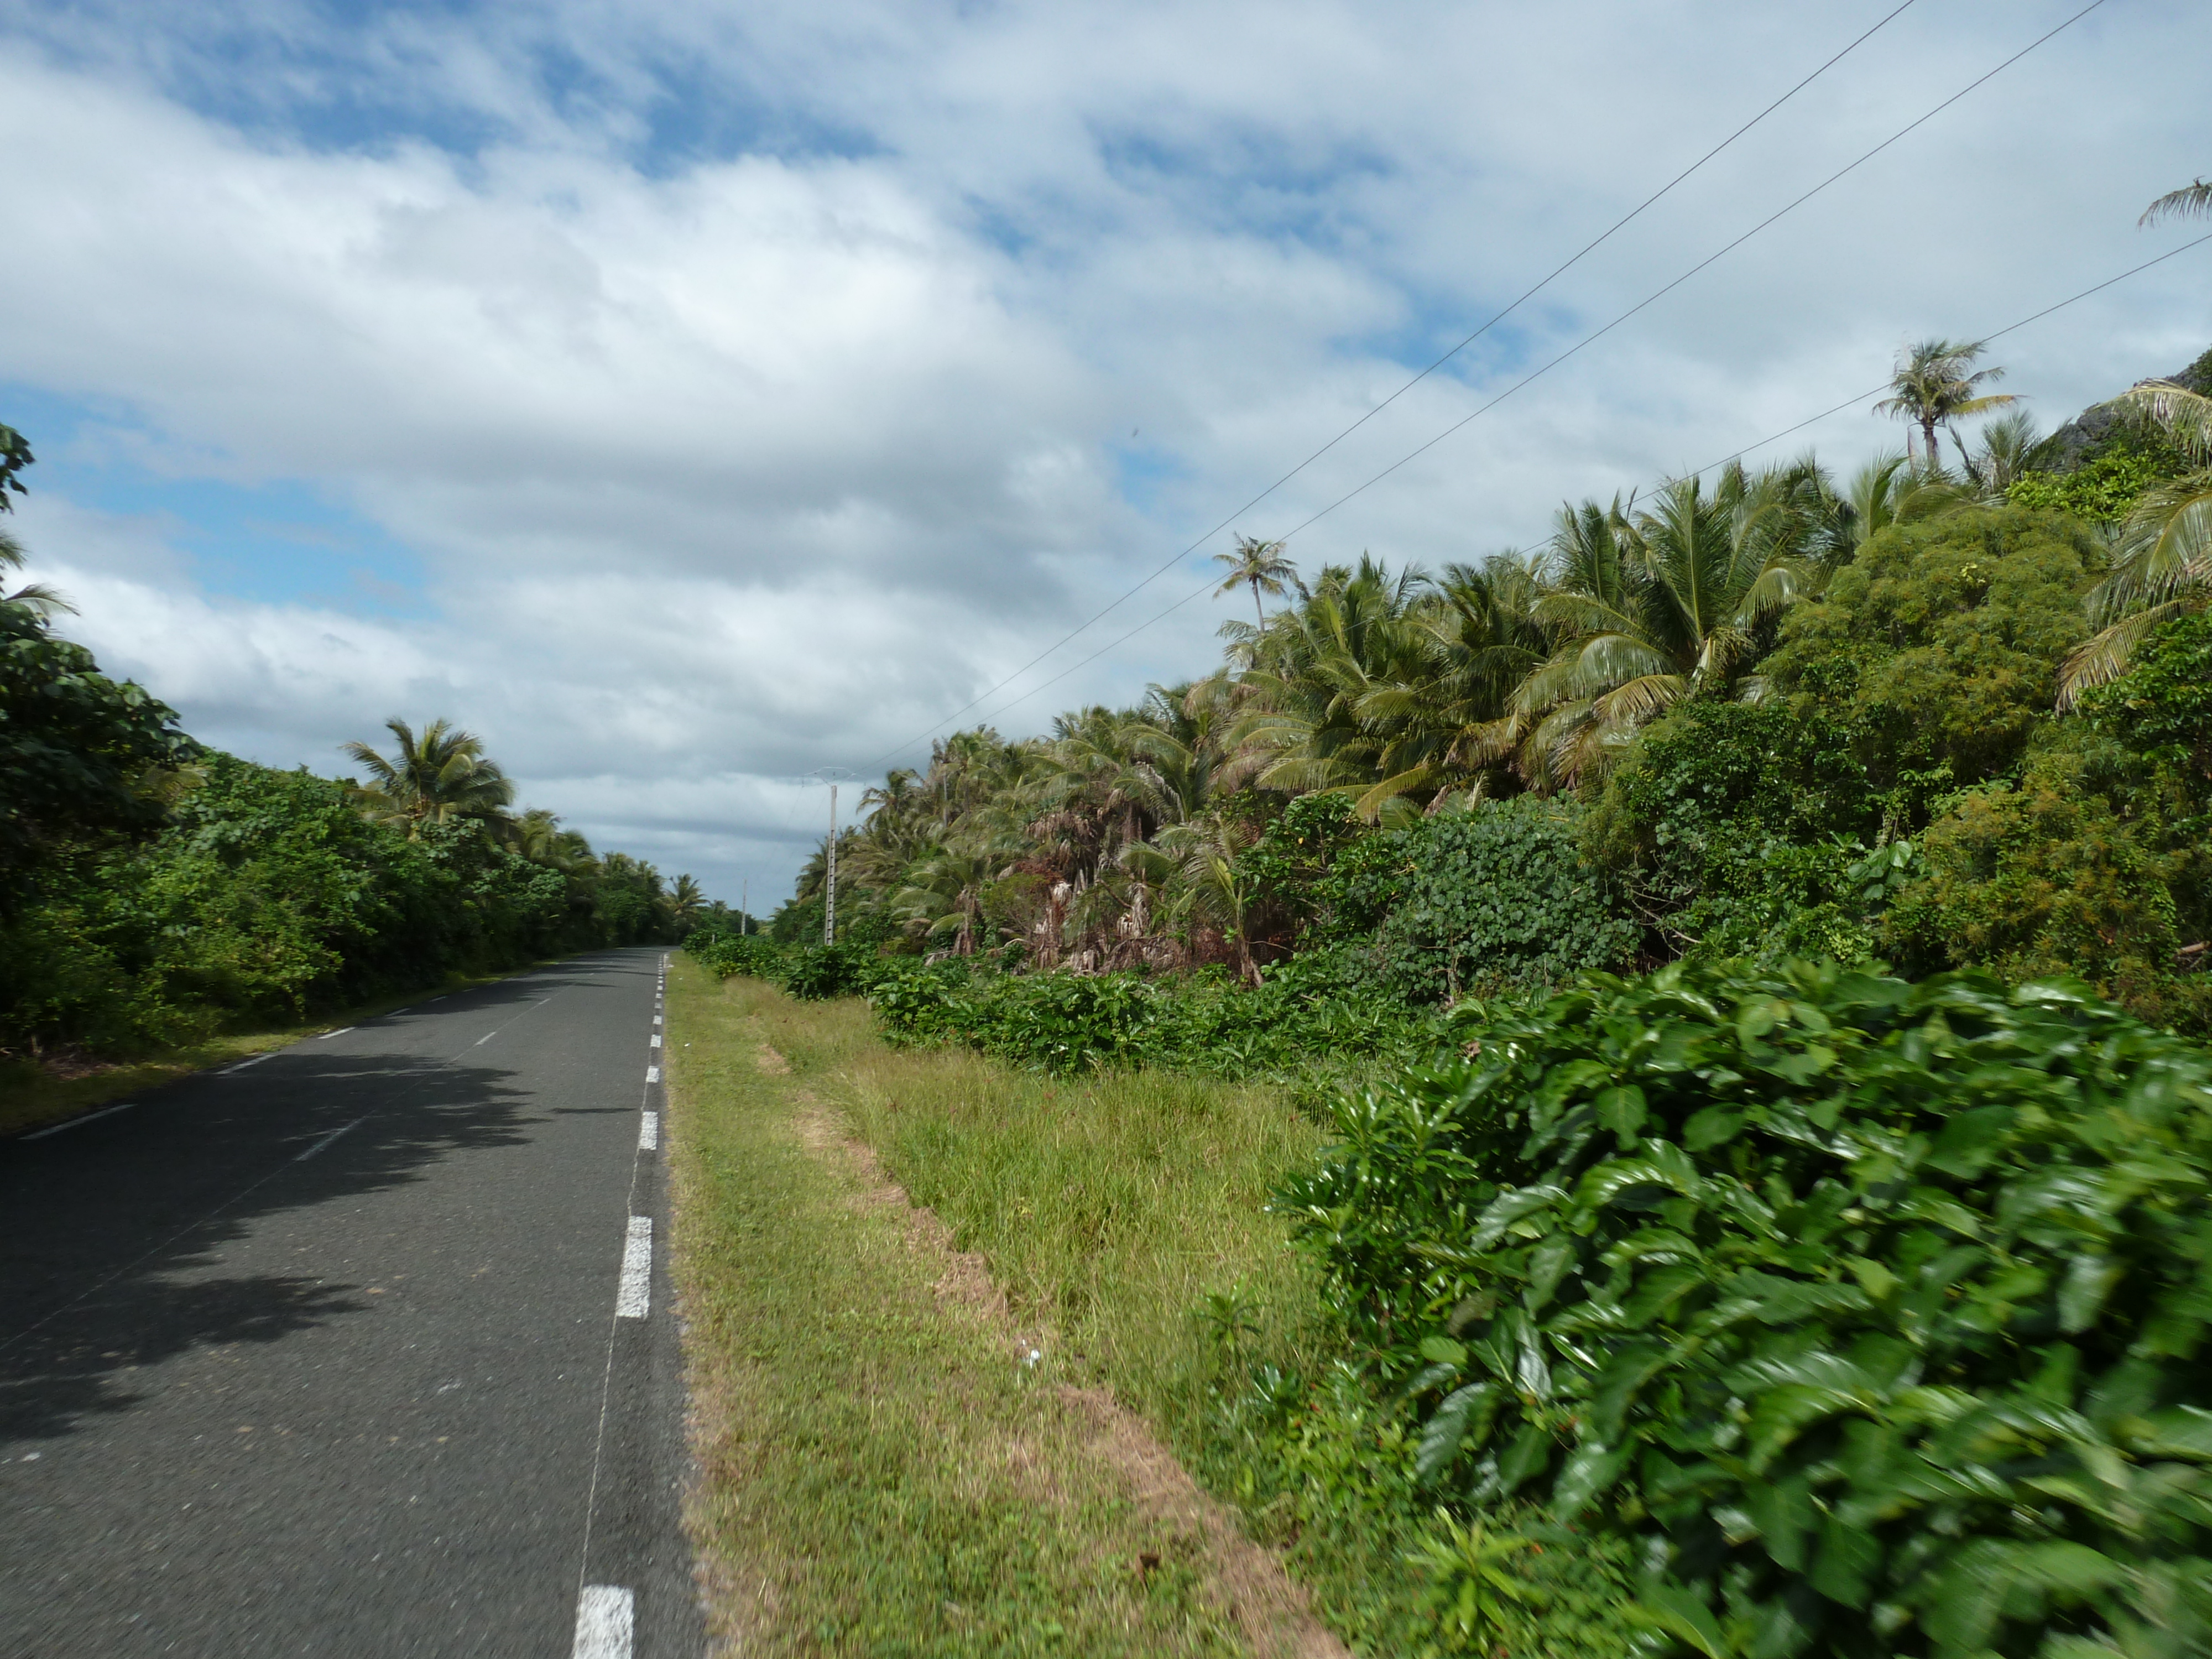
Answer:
(832, 776)
(745, 906)
(830, 906)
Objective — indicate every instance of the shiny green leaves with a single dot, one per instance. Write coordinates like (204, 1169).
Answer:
(1878, 1311)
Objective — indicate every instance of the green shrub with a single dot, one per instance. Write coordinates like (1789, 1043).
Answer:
(2161, 707)
(1873, 1314)
(1736, 825)
(1492, 900)
(1936, 650)
(2103, 488)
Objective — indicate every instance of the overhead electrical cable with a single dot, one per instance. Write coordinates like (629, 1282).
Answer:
(1532, 375)
(1526, 294)
(1760, 443)
(1597, 335)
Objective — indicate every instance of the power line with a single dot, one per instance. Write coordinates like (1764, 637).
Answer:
(1760, 443)
(1529, 293)
(1598, 334)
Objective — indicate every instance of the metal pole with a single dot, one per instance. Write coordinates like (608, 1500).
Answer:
(830, 908)
(744, 899)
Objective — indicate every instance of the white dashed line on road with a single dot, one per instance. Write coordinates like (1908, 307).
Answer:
(232, 1070)
(653, 1074)
(606, 1616)
(40, 1134)
(656, 1039)
(633, 1298)
(656, 1019)
(648, 1132)
(327, 1036)
(327, 1139)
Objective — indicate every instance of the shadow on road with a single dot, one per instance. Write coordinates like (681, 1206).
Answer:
(109, 1239)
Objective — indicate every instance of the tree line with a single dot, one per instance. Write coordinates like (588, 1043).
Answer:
(1941, 712)
(154, 890)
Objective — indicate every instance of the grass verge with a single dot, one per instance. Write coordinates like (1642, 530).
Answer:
(32, 1095)
(885, 1470)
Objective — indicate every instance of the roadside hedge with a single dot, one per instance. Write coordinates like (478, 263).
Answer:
(1873, 1314)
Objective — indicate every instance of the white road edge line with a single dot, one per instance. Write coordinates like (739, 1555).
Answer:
(633, 1298)
(656, 1019)
(327, 1036)
(649, 1132)
(653, 1074)
(656, 1039)
(606, 1616)
(55, 1129)
(485, 1038)
(228, 1071)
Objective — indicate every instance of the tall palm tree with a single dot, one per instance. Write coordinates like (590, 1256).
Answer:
(1680, 599)
(2190, 201)
(687, 900)
(1448, 718)
(1261, 566)
(1932, 387)
(2163, 564)
(1299, 728)
(441, 775)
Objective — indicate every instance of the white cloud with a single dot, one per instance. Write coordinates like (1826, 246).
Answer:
(730, 454)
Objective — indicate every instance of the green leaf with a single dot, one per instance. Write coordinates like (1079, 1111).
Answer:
(1714, 1126)
(1590, 1471)
(1442, 1434)
(1670, 1608)
(1782, 1509)
(2089, 1280)
(1622, 1109)
(1443, 1351)
(1845, 1566)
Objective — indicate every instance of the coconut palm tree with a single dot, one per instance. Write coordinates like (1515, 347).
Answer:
(1261, 566)
(441, 775)
(2162, 566)
(1448, 719)
(1676, 600)
(2001, 453)
(1932, 387)
(1297, 728)
(686, 901)
(34, 597)
(2190, 201)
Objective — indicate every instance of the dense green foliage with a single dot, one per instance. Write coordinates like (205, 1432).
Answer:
(2100, 491)
(1479, 901)
(269, 896)
(76, 747)
(1876, 1312)
(153, 892)
(1937, 649)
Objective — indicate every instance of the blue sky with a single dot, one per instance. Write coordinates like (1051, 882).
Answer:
(692, 396)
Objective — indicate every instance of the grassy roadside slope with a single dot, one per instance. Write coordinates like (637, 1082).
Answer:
(884, 1472)
(31, 1096)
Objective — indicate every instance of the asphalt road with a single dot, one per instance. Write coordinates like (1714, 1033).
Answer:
(359, 1349)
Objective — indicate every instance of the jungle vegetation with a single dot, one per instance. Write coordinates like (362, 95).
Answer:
(154, 890)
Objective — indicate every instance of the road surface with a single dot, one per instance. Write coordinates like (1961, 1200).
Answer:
(364, 1347)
